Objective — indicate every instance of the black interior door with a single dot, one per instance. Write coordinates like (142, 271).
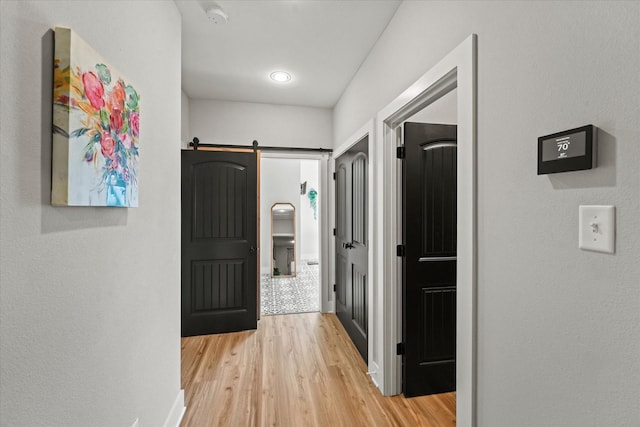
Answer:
(352, 244)
(429, 265)
(219, 241)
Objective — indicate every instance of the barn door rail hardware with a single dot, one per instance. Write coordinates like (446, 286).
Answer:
(195, 143)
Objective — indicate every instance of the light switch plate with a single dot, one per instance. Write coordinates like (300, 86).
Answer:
(597, 229)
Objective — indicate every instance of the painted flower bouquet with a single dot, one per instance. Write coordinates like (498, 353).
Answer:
(108, 124)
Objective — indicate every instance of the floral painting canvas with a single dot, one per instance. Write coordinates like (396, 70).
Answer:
(96, 128)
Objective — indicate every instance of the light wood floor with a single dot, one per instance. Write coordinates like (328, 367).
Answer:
(296, 370)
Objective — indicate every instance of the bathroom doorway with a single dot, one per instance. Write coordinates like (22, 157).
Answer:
(290, 200)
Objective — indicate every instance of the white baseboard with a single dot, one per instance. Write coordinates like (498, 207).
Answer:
(374, 372)
(177, 411)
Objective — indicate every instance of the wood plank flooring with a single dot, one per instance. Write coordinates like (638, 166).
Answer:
(295, 370)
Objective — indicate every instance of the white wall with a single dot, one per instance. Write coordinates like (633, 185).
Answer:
(239, 123)
(278, 184)
(558, 342)
(443, 111)
(309, 227)
(185, 136)
(89, 297)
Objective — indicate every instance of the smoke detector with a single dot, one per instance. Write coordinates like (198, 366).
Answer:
(216, 13)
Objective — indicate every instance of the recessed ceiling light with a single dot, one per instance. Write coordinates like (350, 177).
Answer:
(280, 76)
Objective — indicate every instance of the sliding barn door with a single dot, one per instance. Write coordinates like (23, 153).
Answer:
(219, 242)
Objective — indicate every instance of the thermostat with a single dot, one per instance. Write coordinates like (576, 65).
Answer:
(570, 150)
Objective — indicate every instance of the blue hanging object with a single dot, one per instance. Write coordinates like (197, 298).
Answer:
(313, 201)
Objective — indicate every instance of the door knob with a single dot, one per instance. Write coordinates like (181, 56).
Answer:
(347, 245)
(253, 250)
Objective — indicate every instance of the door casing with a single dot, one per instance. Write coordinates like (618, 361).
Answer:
(458, 70)
(327, 304)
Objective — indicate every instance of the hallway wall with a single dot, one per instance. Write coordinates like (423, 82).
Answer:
(184, 120)
(279, 182)
(310, 226)
(558, 341)
(239, 123)
(89, 297)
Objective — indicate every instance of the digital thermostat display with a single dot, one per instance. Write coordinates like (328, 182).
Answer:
(564, 147)
(566, 151)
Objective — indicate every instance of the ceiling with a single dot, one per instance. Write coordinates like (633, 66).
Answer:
(320, 42)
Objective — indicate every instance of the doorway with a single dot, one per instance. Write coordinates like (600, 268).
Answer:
(456, 70)
(290, 268)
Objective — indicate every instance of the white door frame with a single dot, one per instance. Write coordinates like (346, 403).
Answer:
(456, 70)
(323, 217)
(374, 345)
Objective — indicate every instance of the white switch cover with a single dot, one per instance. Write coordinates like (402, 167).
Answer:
(597, 228)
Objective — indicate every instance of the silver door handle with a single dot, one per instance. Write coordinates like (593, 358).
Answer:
(437, 258)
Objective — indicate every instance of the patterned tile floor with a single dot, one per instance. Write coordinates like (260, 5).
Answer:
(300, 294)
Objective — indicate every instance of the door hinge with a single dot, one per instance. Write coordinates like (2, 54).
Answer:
(401, 153)
(334, 176)
(334, 231)
(400, 348)
(400, 250)
(335, 288)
